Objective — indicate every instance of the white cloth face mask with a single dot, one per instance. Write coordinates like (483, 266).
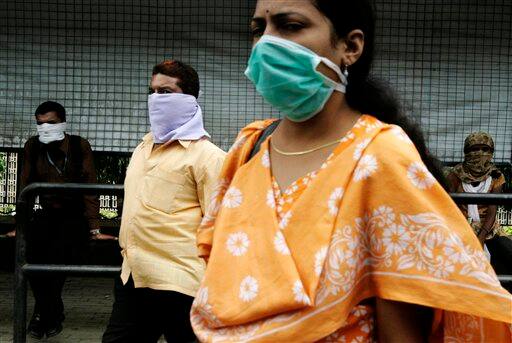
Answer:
(51, 132)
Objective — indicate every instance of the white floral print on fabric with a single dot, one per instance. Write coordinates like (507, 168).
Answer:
(265, 159)
(271, 200)
(421, 243)
(238, 144)
(334, 199)
(368, 124)
(249, 288)
(395, 239)
(360, 148)
(339, 280)
(319, 260)
(233, 198)
(215, 202)
(336, 337)
(291, 189)
(300, 296)
(306, 180)
(349, 136)
(462, 328)
(238, 243)
(400, 134)
(283, 223)
(384, 215)
(359, 311)
(454, 250)
(419, 175)
(280, 244)
(237, 333)
(366, 166)
(202, 310)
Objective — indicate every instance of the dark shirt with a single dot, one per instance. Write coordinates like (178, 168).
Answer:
(53, 164)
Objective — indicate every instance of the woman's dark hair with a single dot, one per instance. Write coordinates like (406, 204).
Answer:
(364, 92)
(52, 106)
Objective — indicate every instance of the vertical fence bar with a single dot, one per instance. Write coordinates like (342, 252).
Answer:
(20, 291)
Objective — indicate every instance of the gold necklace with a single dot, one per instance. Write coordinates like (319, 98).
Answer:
(298, 153)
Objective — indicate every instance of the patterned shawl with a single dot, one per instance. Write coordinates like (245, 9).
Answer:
(374, 223)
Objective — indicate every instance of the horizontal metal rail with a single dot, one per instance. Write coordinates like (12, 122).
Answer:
(483, 198)
(505, 278)
(100, 270)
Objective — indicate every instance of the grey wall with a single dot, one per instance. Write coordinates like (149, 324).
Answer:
(450, 62)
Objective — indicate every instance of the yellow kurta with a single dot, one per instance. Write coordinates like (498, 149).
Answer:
(165, 196)
(372, 223)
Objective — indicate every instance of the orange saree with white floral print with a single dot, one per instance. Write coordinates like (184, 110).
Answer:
(372, 222)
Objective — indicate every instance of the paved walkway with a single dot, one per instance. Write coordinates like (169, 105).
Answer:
(87, 301)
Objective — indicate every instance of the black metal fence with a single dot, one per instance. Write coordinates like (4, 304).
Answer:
(449, 60)
(23, 268)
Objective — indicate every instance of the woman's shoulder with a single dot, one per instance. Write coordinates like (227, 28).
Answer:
(254, 129)
(392, 145)
(256, 126)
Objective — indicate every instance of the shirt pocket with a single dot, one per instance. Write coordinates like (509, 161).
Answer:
(160, 188)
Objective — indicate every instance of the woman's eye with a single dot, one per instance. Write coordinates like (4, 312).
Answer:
(257, 31)
(292, 26)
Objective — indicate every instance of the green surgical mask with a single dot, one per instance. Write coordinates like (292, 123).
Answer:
(285, 74)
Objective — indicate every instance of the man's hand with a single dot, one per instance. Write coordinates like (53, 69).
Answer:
(103, 237)
(11, 233)
(480, 233)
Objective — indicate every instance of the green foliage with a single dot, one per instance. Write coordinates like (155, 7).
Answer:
(107, 214)
(111, 169)
(7, 210)
(3, 162)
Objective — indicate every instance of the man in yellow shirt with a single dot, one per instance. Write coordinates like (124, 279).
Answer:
(168, 184)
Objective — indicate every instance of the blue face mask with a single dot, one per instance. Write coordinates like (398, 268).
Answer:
(285, 74)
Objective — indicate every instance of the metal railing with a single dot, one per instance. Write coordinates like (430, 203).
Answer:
(24, 212)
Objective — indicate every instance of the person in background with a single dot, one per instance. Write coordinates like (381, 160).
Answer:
(60, 229)
(169, 181)
(336, 230)
(478, 174)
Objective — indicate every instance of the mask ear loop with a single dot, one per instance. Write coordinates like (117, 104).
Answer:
(342, 86)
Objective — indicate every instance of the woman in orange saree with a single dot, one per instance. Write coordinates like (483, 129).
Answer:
(337, 230)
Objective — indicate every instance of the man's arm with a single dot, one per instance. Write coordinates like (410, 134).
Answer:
(91, 202)
(452, 182)
(490, 217)
(208, 176)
